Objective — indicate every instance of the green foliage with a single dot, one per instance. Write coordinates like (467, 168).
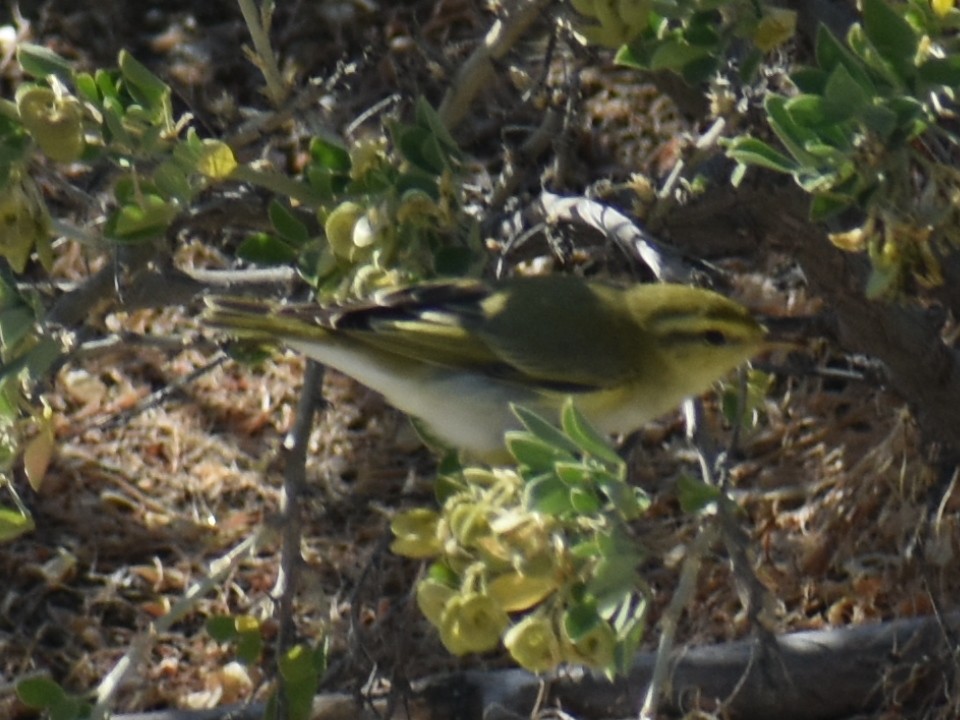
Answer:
(694, 38)
(385, 211)
(243, 631)
(858, 135)
(301, 667)
(540, 557)
(866, 126)
(375, 213)
(44, 694)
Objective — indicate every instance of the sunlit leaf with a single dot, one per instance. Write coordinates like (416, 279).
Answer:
(217, 160)
(13, 524)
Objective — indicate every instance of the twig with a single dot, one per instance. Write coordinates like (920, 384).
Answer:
(671, 617)
(140, 647)
(665, 262)
(156, 398)
(753, 594)
(478, 70)
(263, 56)
(294, 480)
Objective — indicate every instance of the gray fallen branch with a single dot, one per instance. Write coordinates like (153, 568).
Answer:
(820, 675)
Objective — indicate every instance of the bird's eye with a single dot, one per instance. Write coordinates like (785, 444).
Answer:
(714, 337)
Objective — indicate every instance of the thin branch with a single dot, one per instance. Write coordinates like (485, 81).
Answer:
(477, 72)
(140, 647)
(671, 617)
(294, 481)
(264, 57)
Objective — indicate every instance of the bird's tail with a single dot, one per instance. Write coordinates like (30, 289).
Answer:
(261, 320)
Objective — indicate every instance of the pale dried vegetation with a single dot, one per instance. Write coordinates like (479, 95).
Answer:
(142, 495)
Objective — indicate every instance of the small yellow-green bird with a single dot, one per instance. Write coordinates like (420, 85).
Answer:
(456, 354)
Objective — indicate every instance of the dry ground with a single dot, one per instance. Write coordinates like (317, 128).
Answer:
(835, 494)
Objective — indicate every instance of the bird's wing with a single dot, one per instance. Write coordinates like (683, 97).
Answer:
(430, 322)
(562, 330)
(520, 330)
(423, 323)
(514, 331)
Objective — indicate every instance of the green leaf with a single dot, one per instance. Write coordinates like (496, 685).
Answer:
(575, 473)
(70, 708)
(750, 151)
(265, 249)
(296, 664)
(249, 646)
(107, 84)
(298, 669)
(793, 136)
(892, 36)
(580, 618)
(547, 494)
(695, 495)
(87, 87)
(844, 97)
(41, 357)
(543, 429)
(881, 66)
(330, 155)
(811, 81)
(216, 160)
(614, 580)
(584, 501)
(586, 550)
(15, 323)
(809, 111)
(288, 225)
(629, 501)
(628, 56)
(576, 426)
(702, 29)
(40, 62)
(147, 219)
(222, 628)
(145, 87)
(428, 117)
(831, 52)
(172, 181)
(411, 142)
(533, 452)
(825, 206)
(13, 524)
(40, 692)
(911, 116)
(941, 71)
(675, 55)
(880, 120)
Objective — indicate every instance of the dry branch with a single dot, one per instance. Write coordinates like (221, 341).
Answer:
(819, 675)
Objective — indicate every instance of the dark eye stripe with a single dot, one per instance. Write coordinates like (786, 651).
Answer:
(714, 337)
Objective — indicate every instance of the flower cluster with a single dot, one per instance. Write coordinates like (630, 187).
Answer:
(539, 558)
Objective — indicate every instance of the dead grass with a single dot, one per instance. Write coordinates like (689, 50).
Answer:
(844, 516)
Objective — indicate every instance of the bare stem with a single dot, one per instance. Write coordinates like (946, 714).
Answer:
(264, 57)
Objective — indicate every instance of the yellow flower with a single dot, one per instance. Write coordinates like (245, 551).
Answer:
(416, 533)
(533, 643)
(594, 648)
(942, 7)
(775, 27)
(471, 623)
